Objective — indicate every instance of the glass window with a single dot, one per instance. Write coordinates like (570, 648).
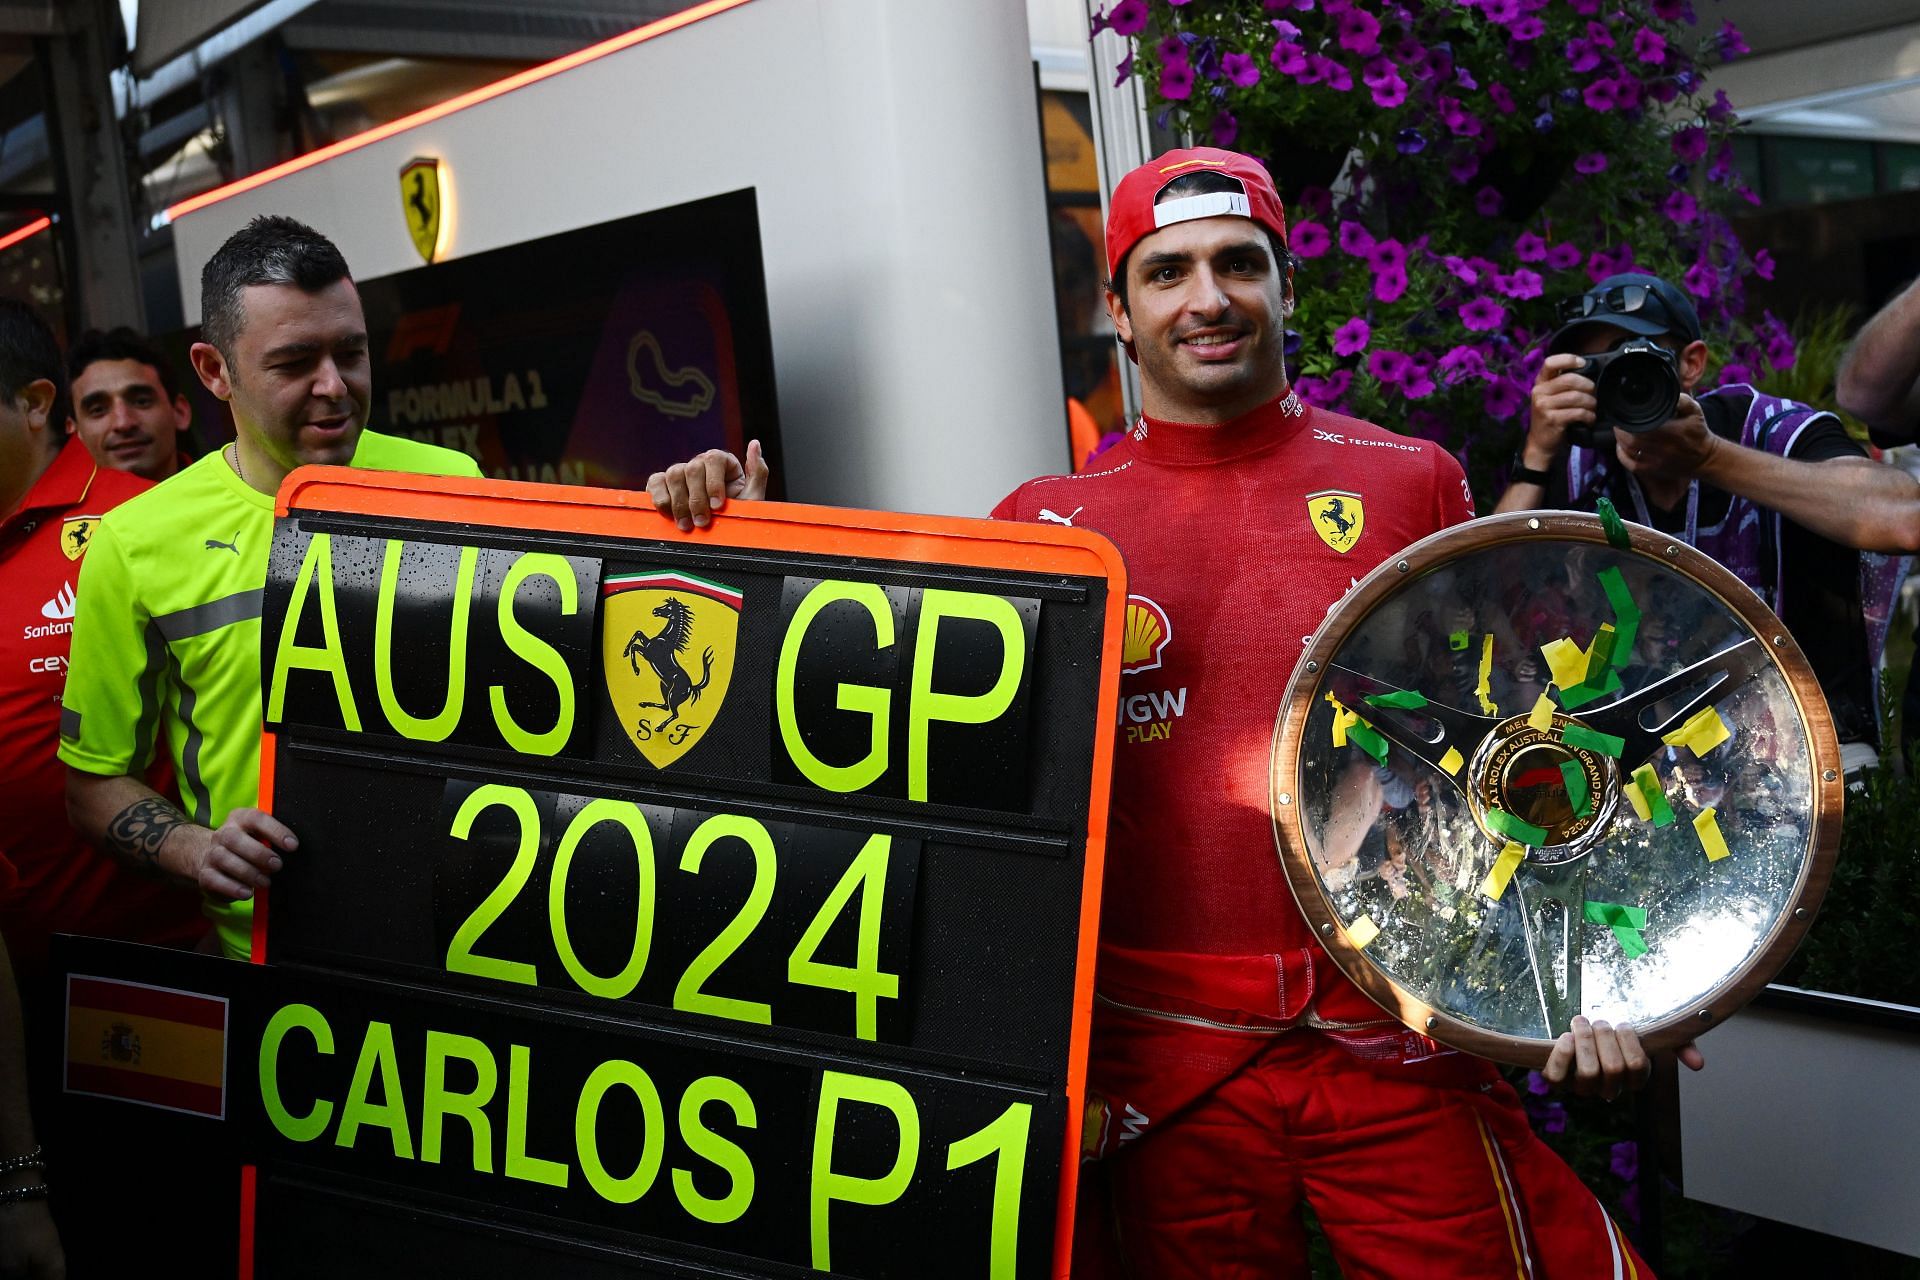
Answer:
(1817, 170)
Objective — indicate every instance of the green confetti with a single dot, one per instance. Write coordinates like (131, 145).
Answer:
(1578, 735)
(1369, 740)
(1515, 829)
(1399, 700)
(1615, 528)
(1459, 640)
(1577, 793)
(1600, 655)
(1626, 923)
(1587, 691)
(1626, 614)
(1661, 813)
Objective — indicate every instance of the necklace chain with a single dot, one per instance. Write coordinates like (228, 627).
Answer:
(237, 468)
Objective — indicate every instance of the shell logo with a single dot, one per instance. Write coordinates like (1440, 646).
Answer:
(1148, 630)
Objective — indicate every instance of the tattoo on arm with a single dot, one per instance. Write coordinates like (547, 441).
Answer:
(142, 827)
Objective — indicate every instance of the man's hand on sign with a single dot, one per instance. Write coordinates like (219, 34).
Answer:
(242, 854)
(688, 493)
(1676, 449)
(1596, 1059)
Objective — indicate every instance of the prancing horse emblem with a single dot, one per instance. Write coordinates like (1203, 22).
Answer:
(649, 665)
(1338, 516)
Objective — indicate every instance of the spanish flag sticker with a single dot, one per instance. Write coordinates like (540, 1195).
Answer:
(156, 1046)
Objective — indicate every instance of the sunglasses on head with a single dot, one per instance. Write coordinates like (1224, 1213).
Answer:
(1622, 299)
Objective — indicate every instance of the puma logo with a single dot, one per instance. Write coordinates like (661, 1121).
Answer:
(1054, 517)
(233, 546)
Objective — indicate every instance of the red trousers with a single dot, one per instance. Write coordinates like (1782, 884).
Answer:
(1412, 1173)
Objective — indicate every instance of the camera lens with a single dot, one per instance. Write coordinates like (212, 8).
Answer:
(1639, 389)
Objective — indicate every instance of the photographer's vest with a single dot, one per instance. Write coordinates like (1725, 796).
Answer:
(1747, 538)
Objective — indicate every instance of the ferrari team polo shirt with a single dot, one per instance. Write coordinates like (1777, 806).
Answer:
(52, 881)
(166, 641)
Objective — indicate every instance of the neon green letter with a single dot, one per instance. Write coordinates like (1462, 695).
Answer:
(925, 706)
(874, 702)
(585, 1119)
(519, 1164)
(710, 1146)
(440, 727)
(391, 1114)
(1007, 1137)
(295, 1128)
(537, 653)
(439, 1102)
(329, 657)
(828, 1186)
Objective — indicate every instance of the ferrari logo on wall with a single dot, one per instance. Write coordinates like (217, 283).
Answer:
(667, 643)
(422, 201)
(1338, 517)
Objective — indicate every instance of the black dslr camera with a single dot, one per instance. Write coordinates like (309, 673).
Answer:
(1637, 386)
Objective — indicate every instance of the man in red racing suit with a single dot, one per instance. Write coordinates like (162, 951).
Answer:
(1237, 1071)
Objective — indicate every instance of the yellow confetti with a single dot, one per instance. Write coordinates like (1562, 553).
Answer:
(1636, 797)
(1485, 687)
(1451, 762)
(1343, 719)
(1566, 660)
(1707, 827)
(1541, 717)
(1702, 732)
(1362, 931)
(1503, 868)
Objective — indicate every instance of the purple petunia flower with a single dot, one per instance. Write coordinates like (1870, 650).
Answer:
(1502, 12)
(1681, 207)
(1529, 247)
(1543, 122)
(1602, 94)
(1700, 280)
(1288, 59)
(1389, 286)
(1388, 255)
(1317, 200)
(1171, 48)
(1359, 32)
(1521, 283)
(1600, 34)
(1528, 28)
(1625, 1161)
(1463, 166)
(1730, 42)
(1721, 170)
(1338, 383)
(1310, 239)
(1563, 257)
(1668, 10)
(1225, 128)
(1733, 372)
(1590, 162)
(1690, 144)
(1464, 78)
(1502, 99)
(1720, 110)
(1351, 338)
(1409, 142)
(1483, 314)
(1355, 239)
(1176, 80)
(1649, 46)
(1487, 202)
(1418, 384)
(1129, 17)
(1460, 269)
(1502, 401)
(1284, 29)
(1125, 69)
(1333, 74)
(1377, 70)
(1763, 264)
(1461, 363)
(1582, 55)
(1389, 366)
(1241, 69)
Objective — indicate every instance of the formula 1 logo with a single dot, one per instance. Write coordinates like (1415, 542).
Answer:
(667, 644)
(1147, 634)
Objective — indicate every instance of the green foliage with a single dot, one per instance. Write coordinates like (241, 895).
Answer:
(1821, 338)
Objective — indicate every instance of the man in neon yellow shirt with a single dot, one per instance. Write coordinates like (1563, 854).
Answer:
(166, 640)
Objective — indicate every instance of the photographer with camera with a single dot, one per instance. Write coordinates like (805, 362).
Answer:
(1774, 490)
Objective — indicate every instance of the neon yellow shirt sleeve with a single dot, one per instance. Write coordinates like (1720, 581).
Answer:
(111, 708)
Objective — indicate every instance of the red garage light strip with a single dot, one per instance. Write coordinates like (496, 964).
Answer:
(27, 232)
(521, 79)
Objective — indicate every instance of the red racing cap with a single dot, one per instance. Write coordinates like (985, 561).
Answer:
(1132, 215)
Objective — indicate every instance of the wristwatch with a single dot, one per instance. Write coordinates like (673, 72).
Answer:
(1520, 473)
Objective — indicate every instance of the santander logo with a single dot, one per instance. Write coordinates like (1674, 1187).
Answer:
(60, 608)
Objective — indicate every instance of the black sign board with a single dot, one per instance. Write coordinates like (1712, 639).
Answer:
(706, 904)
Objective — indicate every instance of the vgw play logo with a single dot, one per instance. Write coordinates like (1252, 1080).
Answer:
(667, 647)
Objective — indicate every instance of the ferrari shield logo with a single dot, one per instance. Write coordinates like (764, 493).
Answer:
(667, 642)
(1338, 517)
(76, 533)
(420, 202)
